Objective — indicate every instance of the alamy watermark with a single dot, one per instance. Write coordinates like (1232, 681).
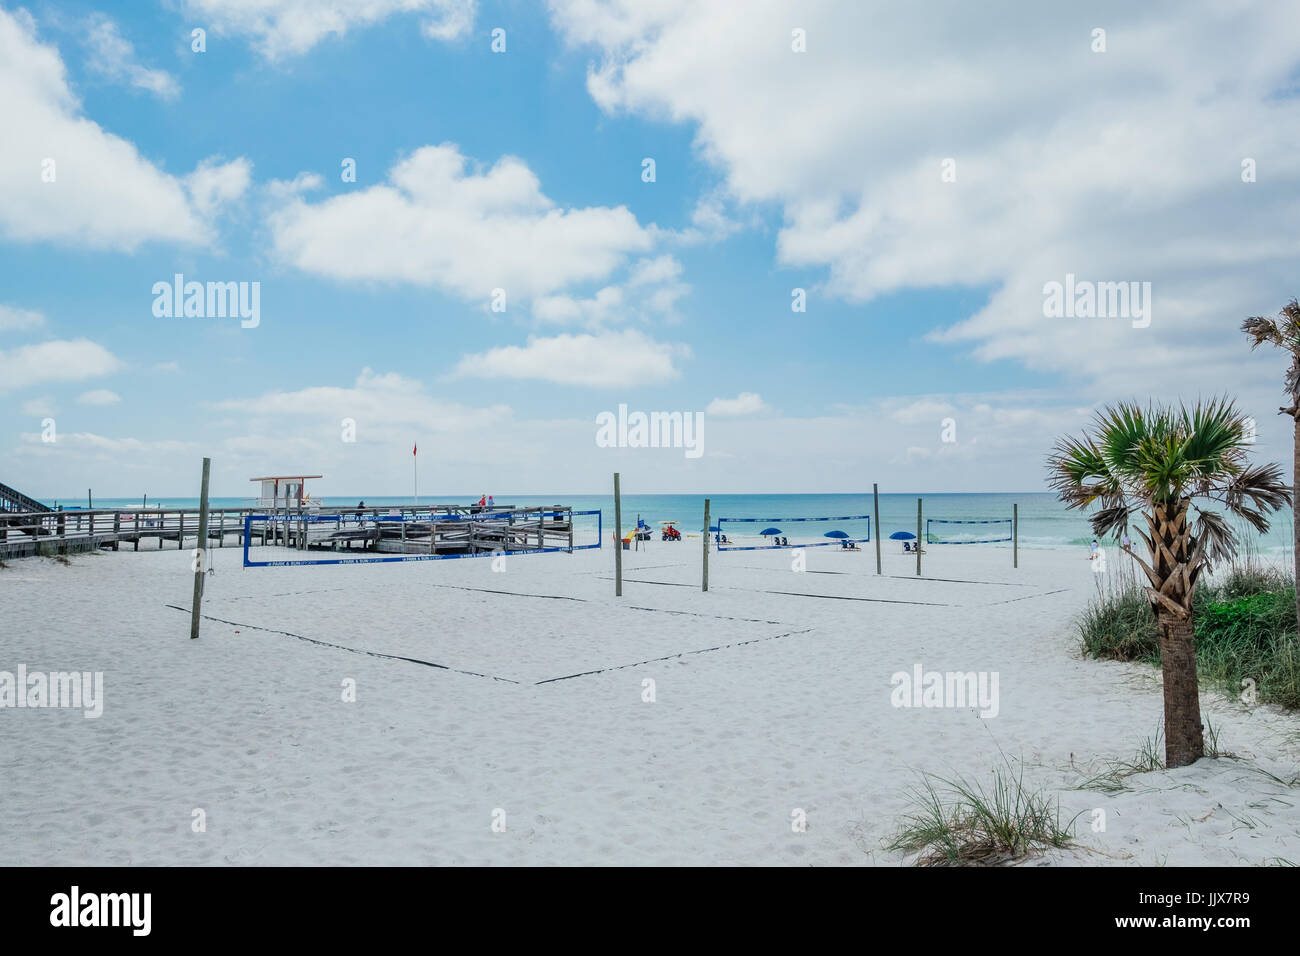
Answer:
(128, 910)
(82, 690)
(1085, 299)
(923, 688)
(653, 430)
(211, 300)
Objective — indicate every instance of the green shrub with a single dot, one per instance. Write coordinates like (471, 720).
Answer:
(1245, 630)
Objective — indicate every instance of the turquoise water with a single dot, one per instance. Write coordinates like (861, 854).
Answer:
(1044, 521)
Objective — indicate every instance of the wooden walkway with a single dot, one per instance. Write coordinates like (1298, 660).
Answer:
(433, 529)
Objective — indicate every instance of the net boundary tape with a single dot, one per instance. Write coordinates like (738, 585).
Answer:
(929, 536)
(777, 547)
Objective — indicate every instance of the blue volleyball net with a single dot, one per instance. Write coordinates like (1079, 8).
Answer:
(747, 534)
(966, 531)
(419, 536)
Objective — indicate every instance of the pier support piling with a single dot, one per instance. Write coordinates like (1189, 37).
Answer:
(618, 539)
(200, 553)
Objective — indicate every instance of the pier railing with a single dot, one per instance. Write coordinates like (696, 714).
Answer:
(25, 533)
(14, 501)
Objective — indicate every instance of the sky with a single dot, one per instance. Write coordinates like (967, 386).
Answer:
(824, 230)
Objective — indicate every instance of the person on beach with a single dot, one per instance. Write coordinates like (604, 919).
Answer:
(482, 500)
(491, 502)
(1092, 550)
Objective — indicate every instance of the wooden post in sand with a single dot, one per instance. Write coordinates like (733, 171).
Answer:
(1015, 535)
(201, 552)
(918, 536)
(704, 584)
(618, 540)
(875, 501)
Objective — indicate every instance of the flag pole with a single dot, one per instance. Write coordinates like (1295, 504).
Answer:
(415, 468)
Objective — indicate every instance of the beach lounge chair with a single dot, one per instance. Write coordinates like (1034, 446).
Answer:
(907, 547)
(785, 542)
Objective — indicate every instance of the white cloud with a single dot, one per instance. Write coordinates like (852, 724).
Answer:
(13, 319)
(282, 190)
(649, 292)
(374, 401)
(112, 56)
(608, 359)
(281, 28)
(654, 271)
(710, 220)
(38, 407)
(103, 193)
(1123, 165)
(89, 441)
(923, 410)
(214, 184)
(55, 361)
(99, 396)
(467, 230)
(746, 403)
(607, 305)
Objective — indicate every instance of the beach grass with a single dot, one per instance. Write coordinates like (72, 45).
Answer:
(957, 822)
(1151, 757)
(1245, 630)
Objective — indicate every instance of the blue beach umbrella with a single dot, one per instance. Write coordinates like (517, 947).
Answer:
(714, 527)
(770, 531)
(902, 536)
(837, 533)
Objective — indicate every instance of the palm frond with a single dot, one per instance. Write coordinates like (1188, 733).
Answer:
(1214, 535)
(1155, 460)
(1262, 330)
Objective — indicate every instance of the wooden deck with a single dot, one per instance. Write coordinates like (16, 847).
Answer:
(432, 529)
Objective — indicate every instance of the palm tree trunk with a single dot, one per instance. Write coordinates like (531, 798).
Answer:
(1184, 743)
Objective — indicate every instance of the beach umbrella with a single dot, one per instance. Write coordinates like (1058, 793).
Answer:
(837, 533)
(714, 527)
(767, 531)
(901, 536)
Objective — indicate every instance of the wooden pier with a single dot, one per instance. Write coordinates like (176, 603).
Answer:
(408, 529)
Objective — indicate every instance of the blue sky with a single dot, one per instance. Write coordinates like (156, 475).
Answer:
(775, 169)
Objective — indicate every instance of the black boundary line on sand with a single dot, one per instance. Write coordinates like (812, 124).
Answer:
(669, 657)
(507, 680)
(341, 647)
(899, 577)
(912, 577)
(825, 597)
(1026, 597)
(549, 597)
(720, 617)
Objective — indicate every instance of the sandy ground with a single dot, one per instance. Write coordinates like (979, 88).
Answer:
(771, 698)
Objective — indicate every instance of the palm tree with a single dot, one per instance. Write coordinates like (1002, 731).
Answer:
(1159, 462)
(1284, 332)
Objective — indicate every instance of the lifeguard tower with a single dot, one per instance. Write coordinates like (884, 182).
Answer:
(283, 491)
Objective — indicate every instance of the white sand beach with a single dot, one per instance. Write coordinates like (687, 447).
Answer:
(772, 695)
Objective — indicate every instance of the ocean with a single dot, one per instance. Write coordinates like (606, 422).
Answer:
(1044, 521)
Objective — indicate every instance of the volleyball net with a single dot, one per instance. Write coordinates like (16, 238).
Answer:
(417, 536)
(967, 531)
(764, 534)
